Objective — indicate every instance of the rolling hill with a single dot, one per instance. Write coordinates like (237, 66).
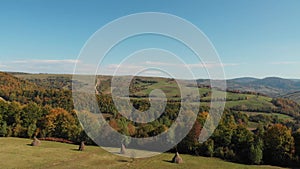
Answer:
(16, 153)
(50, 95)
(247, 102)
(293, 96)
(271, 86)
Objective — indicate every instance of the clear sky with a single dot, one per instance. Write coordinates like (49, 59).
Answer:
(257, 38)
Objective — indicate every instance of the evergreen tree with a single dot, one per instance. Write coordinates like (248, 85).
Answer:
(256, 152)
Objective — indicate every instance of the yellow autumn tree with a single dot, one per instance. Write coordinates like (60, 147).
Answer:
(61, 124)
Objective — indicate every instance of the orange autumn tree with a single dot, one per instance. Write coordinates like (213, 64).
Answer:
(61, 124)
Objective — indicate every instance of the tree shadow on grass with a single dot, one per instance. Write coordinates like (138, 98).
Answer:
(123, 161)
(168, 161)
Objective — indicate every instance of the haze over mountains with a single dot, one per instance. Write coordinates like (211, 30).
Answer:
(271, 86)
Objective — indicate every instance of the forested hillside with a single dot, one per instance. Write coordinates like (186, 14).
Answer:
(253, 127)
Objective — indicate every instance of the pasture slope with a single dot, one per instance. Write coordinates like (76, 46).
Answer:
(17, 153)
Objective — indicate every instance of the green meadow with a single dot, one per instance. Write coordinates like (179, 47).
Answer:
(17, 153)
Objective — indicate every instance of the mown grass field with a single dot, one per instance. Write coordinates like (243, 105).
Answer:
(16, 153)
(280, 116)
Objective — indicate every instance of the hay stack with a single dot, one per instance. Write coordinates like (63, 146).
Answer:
(35, 142)
(123, 149)
(81, 146)
(177, 159)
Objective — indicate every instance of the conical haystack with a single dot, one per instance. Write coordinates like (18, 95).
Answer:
(81, 146)
(123, 149)
(177, 159)
(35, 142)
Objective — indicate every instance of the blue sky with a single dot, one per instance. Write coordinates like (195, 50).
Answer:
(257, 38)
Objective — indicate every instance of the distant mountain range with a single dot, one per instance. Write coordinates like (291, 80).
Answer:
(271, 86)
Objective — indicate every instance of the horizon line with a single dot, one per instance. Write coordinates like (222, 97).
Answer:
(53, 73)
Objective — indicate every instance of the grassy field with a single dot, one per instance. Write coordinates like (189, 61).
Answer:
(280, 116)
(41, 76)
(16, 153)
